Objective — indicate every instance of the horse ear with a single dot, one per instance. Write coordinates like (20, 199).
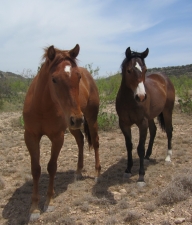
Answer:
(145, 53)
(51, 52)
(128, 53)
(75, 51)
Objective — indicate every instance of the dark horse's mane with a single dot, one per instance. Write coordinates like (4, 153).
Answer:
(133, 55)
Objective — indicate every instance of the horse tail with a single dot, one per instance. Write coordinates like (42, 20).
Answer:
(87, 133)
(161, 121)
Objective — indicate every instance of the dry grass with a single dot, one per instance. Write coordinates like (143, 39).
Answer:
(114, 200)
(2, 184)
(179, 189)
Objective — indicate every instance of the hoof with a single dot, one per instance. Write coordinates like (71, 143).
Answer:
(127, 175)
(34, 216)
(49, 208)
(168, 160)
(141, 183)
(146, 158)
(78, 176)
(96, 179)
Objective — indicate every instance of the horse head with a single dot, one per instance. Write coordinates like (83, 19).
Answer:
(133, 71)
(64, 80)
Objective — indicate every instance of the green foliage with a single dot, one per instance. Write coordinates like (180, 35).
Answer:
(21, 121)
(108, 88)
(13, 90)
(93, 72)
(183, 87)
(106, 121)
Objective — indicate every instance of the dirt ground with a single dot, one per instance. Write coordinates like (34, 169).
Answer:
(113, 200)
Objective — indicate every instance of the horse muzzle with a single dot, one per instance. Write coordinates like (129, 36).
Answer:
(76, 122)
(140, 98)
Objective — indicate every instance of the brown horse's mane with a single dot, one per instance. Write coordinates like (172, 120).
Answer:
(60, 56)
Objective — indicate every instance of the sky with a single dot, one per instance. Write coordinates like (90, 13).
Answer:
(104, 29)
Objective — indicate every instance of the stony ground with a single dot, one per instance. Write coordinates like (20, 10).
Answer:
(114, 200)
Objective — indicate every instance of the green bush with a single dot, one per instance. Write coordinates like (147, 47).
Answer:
(183, 87)
(108, 88)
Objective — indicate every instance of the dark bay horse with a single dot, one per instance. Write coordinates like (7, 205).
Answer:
(140, 99)
(61, 96)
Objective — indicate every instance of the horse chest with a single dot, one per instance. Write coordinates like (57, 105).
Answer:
(129, 112)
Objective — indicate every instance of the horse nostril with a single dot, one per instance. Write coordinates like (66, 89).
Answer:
(140, 98)
(72, 121)
(137, 98)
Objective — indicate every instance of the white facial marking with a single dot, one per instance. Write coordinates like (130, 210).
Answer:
(140, 90)
(67, 69)
(138, 66)
(169, 154)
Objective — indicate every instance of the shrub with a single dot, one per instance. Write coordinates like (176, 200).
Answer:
(177, 190)
(183, 87)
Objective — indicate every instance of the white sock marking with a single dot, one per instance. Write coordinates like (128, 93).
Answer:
(67, 69)
(138, 66)
(169, 154)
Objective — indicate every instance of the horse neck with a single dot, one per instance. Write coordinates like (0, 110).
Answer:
(125, 89)
(42, 95)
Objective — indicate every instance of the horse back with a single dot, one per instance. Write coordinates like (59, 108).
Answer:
(161, 82)
(160, 90)
(89, 96)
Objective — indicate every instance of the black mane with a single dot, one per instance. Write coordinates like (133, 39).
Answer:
(133, 55)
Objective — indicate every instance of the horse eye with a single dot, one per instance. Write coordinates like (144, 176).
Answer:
(54, 81)
(129, 71)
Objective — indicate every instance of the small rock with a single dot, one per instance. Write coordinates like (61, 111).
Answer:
(117, 195)
(179, 220)
(123, 191)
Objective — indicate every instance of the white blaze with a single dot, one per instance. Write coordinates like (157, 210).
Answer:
(67, 69)
(138, 66)
(140, 90)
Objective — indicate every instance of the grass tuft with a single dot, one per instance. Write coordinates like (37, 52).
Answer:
(179, 189)
(2, 184)
(131, 216)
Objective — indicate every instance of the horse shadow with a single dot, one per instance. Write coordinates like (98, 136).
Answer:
(16, 211)
(114, 175)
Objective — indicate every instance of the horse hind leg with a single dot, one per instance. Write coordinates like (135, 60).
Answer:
(166, 122)
(80, 142)
(169, 130)
(92, 135)
(57, 143)
(32, 143)
(152, 131)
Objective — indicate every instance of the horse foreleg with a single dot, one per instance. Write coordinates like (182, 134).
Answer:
(32, 143)
(141, 150)
(57, 143)
(80, 142)
(126, 130)
(152, 131)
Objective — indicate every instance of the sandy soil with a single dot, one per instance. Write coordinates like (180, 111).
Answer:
(114, 200)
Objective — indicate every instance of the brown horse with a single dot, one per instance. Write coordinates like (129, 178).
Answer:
(140, 99)
(61, 96)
